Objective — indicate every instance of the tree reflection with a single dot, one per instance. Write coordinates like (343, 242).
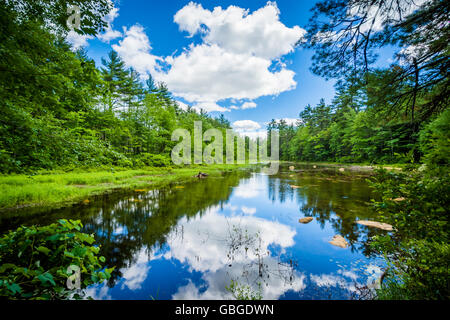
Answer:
(330, 197)
(128, 224)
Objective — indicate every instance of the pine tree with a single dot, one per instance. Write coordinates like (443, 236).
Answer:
(151, 85)
(133, 92)
(115, 75)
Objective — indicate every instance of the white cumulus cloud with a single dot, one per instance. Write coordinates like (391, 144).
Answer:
(209, 73)
(248, 105)
(249, 128)
(246, 125)
(110, 34)
(78, 40)
(260, 33)
(238, 56)
(135, 49)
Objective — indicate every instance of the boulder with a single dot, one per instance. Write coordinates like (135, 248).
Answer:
(339, 241)
(375, 224)
(305, 220)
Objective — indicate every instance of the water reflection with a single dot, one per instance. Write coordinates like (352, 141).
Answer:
(225, 247)
(191, 242)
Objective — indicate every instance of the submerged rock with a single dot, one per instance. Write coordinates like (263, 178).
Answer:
(305, 220)
(339, 241)
(376, 224)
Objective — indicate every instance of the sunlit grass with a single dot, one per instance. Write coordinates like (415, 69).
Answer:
(49, 188)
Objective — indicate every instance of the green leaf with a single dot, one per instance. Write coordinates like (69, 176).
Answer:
(43, 249)
(7, 266)
(14, 288)
(46, 277)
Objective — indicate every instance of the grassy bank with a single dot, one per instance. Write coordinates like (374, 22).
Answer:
(51, 188)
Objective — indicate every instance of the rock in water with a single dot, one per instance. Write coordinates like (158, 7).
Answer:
(305, 220)
(339, 241)
(291, 168)
(375, 224)
(201, 175)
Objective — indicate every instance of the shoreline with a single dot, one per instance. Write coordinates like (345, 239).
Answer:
(58, 188)
(54, 189)
(348, 166)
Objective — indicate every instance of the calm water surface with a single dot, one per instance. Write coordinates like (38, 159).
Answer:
(189, 241)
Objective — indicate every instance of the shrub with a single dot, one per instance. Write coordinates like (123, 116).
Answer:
(35, 261)
(435, 140)
(155, 160)
(125, 163)
(417, 253)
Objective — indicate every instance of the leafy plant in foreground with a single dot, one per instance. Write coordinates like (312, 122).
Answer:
(418, 252)
(35, 261)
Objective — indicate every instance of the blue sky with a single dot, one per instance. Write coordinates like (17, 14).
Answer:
(251, 75)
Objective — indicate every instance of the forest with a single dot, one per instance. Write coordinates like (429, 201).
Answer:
(61, 111)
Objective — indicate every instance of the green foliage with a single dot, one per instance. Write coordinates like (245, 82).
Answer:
(435, 141)
(34, 261)
(377, 114)
(155, 160)
(60, 111)
(419, 271)
(351, 33)
(416, 204)
(55, 11)
(347, 134)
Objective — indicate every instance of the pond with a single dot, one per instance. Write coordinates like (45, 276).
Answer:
(192, 240)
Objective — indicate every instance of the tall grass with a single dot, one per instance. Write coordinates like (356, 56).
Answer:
(55, 187)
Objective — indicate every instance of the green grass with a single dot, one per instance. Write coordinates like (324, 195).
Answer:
(51, 188)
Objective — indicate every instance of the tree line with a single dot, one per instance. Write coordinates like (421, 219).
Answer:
(59, 110)
(395, 114)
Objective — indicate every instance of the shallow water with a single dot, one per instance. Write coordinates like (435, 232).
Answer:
(189, 241)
